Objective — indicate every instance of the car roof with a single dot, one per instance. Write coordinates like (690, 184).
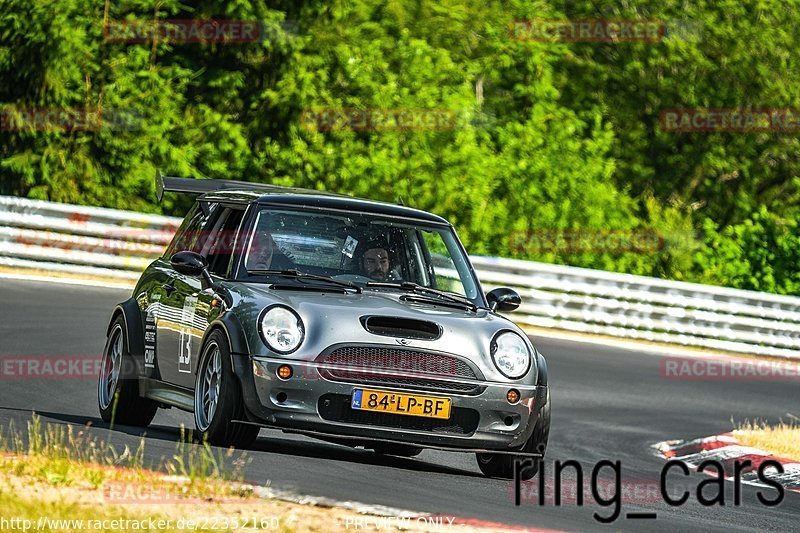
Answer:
(296, 197)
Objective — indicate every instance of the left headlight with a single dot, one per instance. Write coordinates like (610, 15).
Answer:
(511, 355)
(281, 329)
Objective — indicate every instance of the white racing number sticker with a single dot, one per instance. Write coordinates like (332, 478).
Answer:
(187, 322)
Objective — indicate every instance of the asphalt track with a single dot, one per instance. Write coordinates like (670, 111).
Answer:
(608, 403)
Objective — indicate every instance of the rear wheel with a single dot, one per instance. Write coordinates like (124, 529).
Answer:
(118, 385)
(502, 466)
(218, 398)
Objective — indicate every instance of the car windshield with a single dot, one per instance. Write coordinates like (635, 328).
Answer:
(362, 249)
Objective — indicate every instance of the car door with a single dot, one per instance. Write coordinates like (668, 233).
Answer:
(172, 296)
(195, 312)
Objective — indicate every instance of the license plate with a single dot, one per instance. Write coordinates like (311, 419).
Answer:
(401, 404)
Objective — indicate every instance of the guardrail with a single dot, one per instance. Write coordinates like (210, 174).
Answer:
(120, 244)
(78, 239)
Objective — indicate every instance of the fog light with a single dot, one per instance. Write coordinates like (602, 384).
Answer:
(512, 396)
(284, 372)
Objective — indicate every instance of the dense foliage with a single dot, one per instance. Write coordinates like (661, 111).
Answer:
(547, 136)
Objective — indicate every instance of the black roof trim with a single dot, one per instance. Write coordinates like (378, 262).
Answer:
(243, 191)
(202, 186)
(351, 205)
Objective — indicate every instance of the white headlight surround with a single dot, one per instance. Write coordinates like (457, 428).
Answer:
(281, 329)
(510, 354)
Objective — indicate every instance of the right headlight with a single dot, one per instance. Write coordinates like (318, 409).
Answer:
(511, 355)
(281, 329)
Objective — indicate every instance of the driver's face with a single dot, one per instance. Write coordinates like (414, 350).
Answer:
(376, 263)
(263, 250)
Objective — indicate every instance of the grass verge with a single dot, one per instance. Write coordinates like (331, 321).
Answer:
(57, 478)
(782, 439)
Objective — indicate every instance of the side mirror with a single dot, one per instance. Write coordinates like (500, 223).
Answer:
(503, 299)
(193, 265)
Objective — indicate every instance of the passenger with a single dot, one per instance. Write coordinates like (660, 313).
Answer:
(376, 263)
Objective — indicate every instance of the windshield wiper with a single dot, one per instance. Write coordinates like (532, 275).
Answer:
(421, 289)
(296, 274)
(419, 298)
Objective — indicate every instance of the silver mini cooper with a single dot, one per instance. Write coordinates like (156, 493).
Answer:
(348, 320)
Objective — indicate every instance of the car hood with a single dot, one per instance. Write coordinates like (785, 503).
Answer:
(335, 318)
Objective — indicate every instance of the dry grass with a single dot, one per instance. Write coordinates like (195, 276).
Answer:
(38, 506)
(782, 439)
(57, 473)
(61, 454)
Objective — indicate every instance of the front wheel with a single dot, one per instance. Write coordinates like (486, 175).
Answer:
(118, 384)
(218, 399)
(502, 466)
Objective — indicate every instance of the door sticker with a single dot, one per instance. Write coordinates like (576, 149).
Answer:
(185, 342)
(350, 245)
(151, 314)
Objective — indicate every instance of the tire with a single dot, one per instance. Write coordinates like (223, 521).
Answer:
(218, 398)
(502, 466)
(398, 450)
(118, 384)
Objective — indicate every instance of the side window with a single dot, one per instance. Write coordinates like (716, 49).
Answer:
(221, 244)
(192, 220)
(189, 234)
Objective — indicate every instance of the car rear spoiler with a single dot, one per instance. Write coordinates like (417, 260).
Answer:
(200, 186)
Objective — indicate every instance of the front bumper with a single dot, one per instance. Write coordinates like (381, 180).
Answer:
(312, 402)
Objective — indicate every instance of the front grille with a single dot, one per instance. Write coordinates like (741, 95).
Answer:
(336, 408)
(429, 371)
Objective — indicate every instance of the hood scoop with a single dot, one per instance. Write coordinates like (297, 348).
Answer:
(407, 328)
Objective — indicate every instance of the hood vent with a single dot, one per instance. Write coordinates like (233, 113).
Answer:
(408, 328)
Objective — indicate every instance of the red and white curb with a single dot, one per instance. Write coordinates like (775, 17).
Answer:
(727, 450)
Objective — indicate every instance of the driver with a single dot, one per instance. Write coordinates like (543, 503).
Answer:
(265, 254)
(376, 263)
